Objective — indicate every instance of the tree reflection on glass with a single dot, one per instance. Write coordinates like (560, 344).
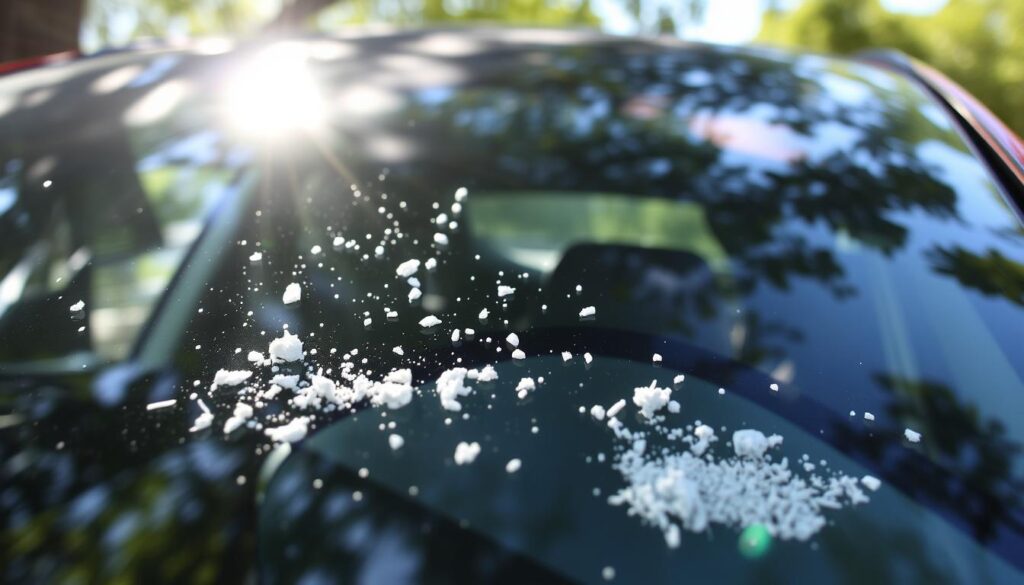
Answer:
(811, 190)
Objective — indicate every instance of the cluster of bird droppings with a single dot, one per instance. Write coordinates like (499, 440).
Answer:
(685, 487)
(693, 488)
(314, 390)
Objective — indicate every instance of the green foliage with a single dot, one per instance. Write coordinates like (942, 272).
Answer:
(116, 22)
(535, 12)
(652, 16)
(978, 43)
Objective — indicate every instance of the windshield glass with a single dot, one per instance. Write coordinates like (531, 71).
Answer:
(99, 246)
(823, 251)
(591, 311)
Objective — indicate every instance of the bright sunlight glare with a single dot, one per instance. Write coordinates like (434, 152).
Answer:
(274, 94)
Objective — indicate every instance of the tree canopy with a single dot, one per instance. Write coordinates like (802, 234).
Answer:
(977, 43)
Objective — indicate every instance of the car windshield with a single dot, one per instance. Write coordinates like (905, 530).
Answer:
(110, 239)
(793, 273)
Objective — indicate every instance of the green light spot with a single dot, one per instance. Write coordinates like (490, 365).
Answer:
(755, 541)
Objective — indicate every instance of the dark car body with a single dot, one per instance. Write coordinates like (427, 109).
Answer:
(753, 217)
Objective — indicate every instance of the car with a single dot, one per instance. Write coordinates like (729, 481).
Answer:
(507, 306)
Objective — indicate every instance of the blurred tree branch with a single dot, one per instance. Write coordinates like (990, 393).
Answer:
(977, 43)
(295, 15)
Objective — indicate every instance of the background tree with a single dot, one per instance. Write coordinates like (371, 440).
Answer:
(115, 22)
(978, 43)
